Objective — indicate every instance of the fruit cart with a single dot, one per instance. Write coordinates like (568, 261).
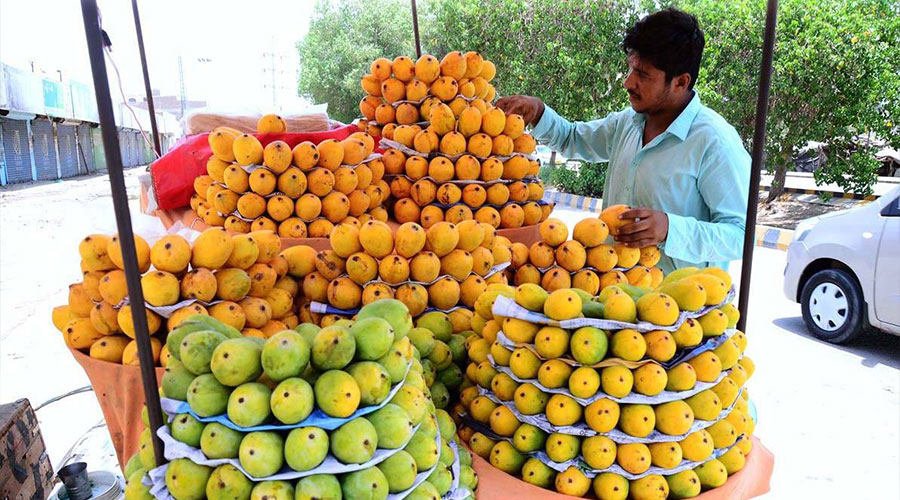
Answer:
(749, 482)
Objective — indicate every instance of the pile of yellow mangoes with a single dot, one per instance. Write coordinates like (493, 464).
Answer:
(636, 412)
(452, 156)
(298, 193)
(443, 267)
(245, 281)
(585, 261)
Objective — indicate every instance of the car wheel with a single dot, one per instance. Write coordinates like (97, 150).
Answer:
(833, 306)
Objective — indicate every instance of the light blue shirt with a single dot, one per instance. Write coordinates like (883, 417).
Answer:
(697, 172)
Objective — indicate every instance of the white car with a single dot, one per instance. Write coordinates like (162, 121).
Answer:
(844, 270)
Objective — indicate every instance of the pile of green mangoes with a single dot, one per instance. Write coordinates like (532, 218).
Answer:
(323, 376)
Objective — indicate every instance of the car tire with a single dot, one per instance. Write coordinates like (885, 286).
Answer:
(833, 307)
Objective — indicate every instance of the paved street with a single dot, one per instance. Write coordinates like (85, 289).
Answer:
(830, 414)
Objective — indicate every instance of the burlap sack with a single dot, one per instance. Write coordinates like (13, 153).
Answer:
(121, 396)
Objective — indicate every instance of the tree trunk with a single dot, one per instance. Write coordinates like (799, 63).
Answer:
(777, 186)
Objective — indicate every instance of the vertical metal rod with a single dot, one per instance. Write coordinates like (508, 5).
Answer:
(123, 219)
(757, 158)
(3, 163)
(54, 129)
(415, 16)
(30, 138)
(150, 108)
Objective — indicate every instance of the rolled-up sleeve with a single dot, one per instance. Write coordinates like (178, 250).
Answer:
(723, 181)
(589, 141)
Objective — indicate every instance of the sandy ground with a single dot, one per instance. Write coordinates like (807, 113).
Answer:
(786, 213)
(41, 227)
(830, 414)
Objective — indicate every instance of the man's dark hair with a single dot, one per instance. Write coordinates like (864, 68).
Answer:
(669, 39)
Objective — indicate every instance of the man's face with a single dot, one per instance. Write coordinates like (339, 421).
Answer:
(647, 88)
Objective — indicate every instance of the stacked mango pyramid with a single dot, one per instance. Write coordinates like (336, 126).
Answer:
(244, 281)
(330, 413)
(449, 154)
(442, 268)
(637, 392)
(298, 193)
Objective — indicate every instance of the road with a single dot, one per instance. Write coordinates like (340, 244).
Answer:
(830, 414)
(41, 227)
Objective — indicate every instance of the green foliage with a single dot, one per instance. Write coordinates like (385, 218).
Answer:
(567, 52)
(344, 38)
(586, 180)
(854, 172)
(834, 76)
(835, 68)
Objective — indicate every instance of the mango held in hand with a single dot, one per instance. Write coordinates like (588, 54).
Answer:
(610, 215)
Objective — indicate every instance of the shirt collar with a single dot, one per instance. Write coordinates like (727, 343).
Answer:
(682, 124)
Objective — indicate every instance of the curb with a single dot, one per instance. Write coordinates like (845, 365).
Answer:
(578, 202)
(773, 237)
(830, 194)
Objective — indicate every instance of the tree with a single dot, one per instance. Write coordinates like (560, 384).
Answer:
(835, 70)
(834, 76)
(576, 67)
(344, 38)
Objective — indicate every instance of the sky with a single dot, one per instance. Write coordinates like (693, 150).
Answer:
(226, 46)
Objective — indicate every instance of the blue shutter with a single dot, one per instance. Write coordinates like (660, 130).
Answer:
(44, 150)
(68, 150)
(15, 151)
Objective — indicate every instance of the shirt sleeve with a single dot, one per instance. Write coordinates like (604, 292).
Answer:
(723, 181)
(589, 141)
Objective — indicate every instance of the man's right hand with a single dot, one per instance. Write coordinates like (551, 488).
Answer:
(530, 108)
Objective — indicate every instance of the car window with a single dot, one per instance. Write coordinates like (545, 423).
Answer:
(892, 209)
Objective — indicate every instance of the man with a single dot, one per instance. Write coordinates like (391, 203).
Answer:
(680, 163)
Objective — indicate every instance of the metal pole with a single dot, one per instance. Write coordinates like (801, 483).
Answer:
(123, 219)
(150, 108)
(415, 16)
(757, 158)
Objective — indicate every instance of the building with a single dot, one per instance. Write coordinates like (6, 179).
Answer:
(49, 129)
(169, 104)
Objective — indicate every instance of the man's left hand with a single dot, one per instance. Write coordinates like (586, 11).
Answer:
(651, 228)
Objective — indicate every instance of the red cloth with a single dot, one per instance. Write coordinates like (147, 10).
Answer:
(174, 173)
